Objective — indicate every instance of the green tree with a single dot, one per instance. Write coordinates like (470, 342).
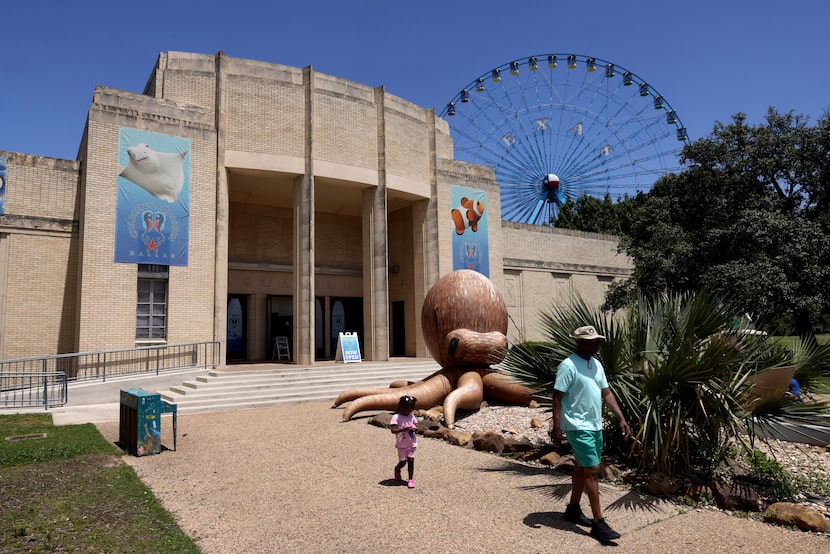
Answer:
(588, 213)
(748, 218)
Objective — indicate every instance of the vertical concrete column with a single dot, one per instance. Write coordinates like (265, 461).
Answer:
(421, 248)
(425, 241)
(4, 264)
(430, 222)
(375, 276)
(375, 253)
(220, 271)
(304, 238)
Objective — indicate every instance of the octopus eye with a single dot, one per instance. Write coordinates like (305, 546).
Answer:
(453, 346)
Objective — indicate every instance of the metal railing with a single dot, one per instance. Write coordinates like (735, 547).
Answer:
(29, 389)
(19, 377)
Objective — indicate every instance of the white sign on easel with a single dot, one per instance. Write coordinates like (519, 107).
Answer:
(348, 349)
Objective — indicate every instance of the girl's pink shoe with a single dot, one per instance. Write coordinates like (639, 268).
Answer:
(410, 484)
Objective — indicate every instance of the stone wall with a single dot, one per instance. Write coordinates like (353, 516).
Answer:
(38, 256)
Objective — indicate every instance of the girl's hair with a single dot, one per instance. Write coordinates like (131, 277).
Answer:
(407, 402)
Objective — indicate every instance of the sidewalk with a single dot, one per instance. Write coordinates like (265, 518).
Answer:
(297, 479)
(99, 401)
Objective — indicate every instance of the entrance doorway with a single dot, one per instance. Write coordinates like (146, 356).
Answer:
(334, 315)
(280, 324)
(236, 339)
(397, 329)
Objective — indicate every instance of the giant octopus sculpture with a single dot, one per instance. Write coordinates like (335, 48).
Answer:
(464, 320)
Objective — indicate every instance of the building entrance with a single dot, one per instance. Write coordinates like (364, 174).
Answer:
(334, 315)
(236, 339)
(280, 324)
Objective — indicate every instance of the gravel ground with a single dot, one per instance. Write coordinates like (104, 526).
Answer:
(297, 479)
(803, 460)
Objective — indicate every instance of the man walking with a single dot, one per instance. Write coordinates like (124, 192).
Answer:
(578, 393)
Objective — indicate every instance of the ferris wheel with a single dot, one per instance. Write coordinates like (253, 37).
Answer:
(559, 126)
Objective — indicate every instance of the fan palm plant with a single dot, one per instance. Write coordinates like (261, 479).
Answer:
(680, 371)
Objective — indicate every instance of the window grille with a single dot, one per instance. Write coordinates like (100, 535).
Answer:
(151, 304)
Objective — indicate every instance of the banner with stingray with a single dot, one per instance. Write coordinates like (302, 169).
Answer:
(153, 198)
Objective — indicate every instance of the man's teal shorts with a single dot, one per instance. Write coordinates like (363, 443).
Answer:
(587, 446)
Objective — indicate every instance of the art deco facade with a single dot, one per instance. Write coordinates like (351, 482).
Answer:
(310, 205)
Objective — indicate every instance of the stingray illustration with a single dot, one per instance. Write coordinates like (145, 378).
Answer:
(159, 173)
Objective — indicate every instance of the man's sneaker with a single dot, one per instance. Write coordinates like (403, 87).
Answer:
(574, 515)
(603, 532)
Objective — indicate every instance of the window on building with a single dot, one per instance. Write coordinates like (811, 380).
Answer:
(151, 304)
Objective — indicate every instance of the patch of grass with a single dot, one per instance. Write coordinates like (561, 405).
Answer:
(60, 443)
(776, 482)
(71, 492)
(795, 340)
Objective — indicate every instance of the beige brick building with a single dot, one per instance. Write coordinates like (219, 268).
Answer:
(316, 205)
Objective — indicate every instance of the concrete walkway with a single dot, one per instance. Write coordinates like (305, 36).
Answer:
(297, 479)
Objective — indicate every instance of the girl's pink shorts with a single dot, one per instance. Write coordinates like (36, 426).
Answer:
(404, 453)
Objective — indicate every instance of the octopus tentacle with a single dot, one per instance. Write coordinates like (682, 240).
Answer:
(467, 395)
(498, 386)
(401, 386)
(464, 323)
(427, 393)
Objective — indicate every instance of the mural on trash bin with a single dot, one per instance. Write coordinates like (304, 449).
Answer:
(151, 443)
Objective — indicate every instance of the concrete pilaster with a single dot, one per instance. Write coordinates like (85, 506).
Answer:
(375, 252)
(375, 275)
(304, 239)
(425, 240)
(220, 272)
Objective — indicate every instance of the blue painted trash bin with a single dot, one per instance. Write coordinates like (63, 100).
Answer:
(140, 423)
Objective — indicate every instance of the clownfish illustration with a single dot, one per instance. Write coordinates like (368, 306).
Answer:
(467, 215)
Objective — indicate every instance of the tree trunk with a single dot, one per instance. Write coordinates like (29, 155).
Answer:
(804, 327)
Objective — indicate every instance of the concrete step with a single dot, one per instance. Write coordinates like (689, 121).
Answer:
(239, 389)
(206, 384)
(219, 378)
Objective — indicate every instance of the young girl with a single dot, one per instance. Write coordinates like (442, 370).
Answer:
(404, 425)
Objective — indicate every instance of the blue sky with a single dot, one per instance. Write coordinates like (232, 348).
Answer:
(709, 59)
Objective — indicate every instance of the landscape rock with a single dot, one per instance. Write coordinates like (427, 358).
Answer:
(383, 419)
(567, 464)
(488, 441)
(521, 444)
(550, 459)
(435, 414)
(737, 496)
(803, 517)
(660, 484)
(458, 438)
(609, 470)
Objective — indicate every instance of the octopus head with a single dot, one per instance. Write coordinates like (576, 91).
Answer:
(464, 320)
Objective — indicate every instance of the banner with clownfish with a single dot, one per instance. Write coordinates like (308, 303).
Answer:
(470, 245)
(152, 209)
